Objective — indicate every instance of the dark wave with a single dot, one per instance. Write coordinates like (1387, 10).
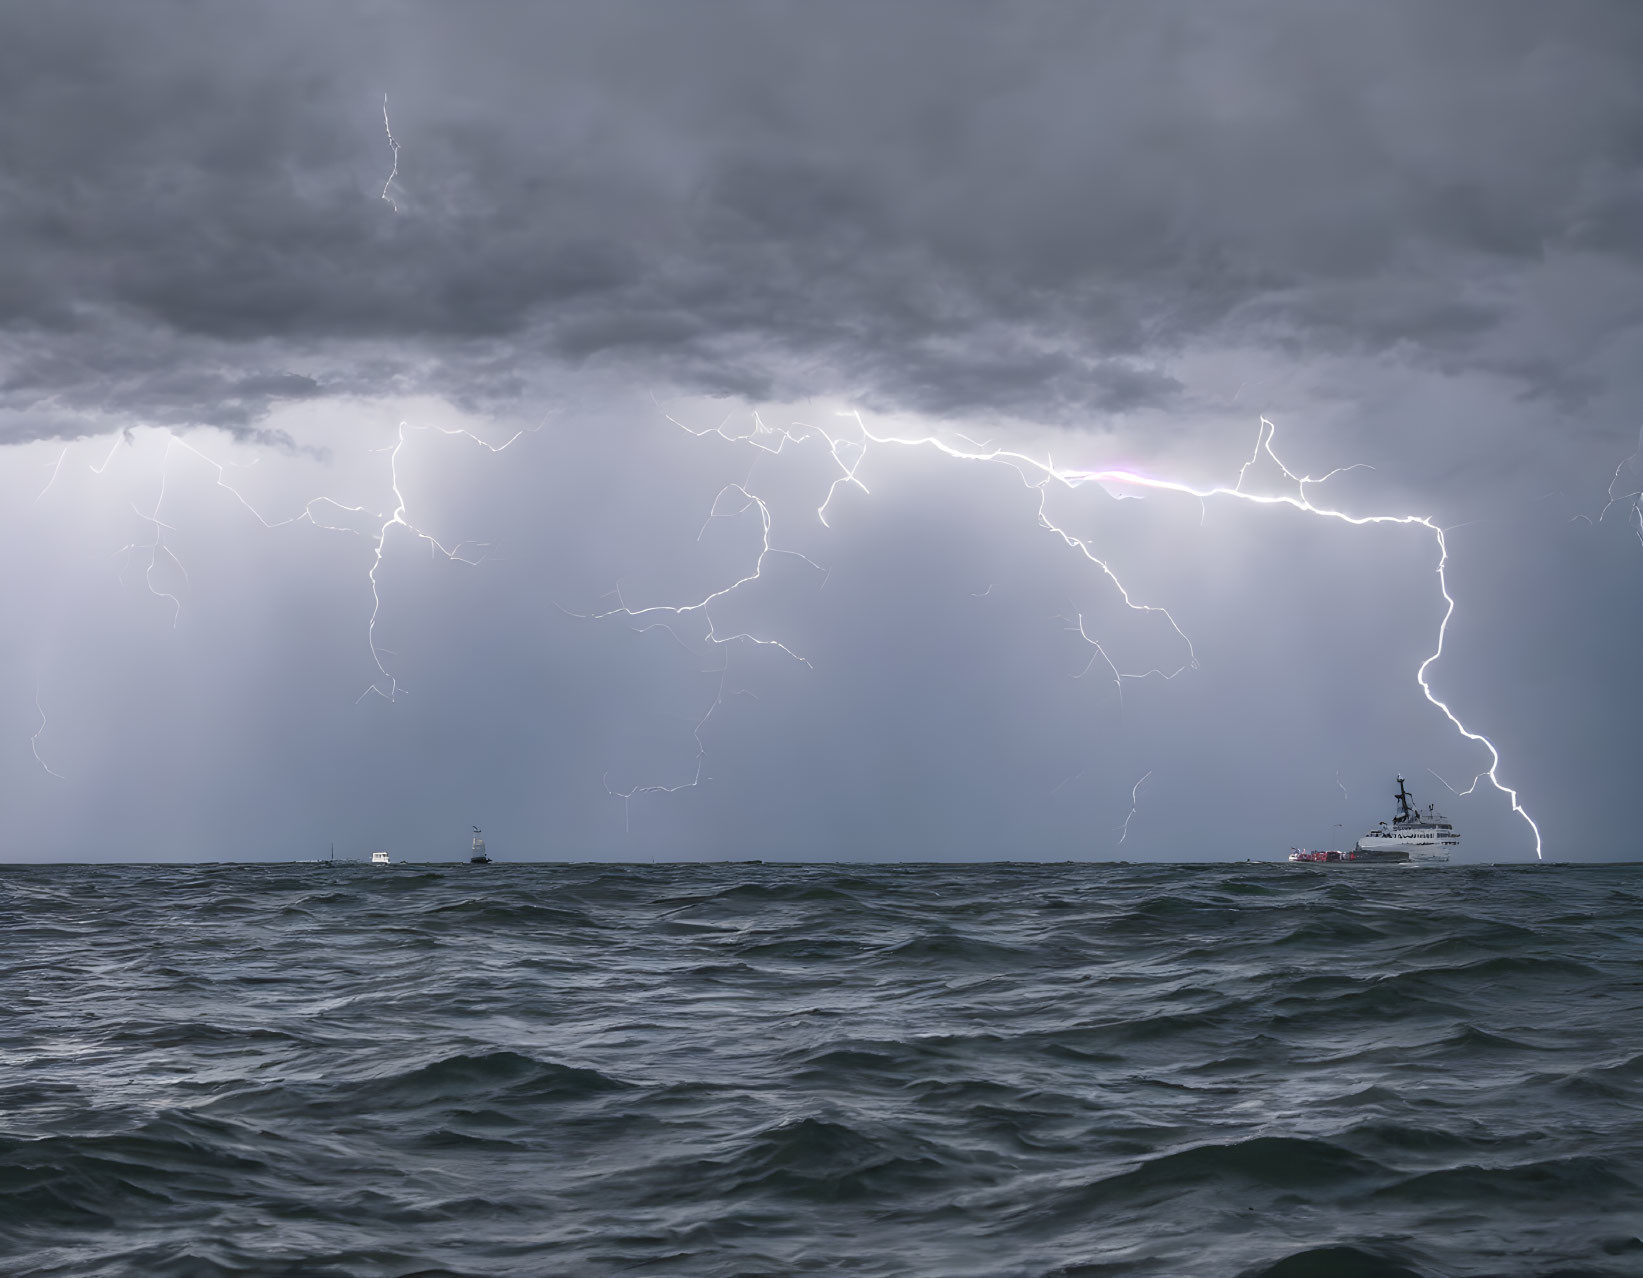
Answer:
(464, 1077)
(1334, 1262)
(1283, 1162)
(107, 1179)
(1588, 1179)
(762, 1069)
(816, 1160)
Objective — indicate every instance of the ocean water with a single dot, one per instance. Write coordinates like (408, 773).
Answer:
(782, 1069)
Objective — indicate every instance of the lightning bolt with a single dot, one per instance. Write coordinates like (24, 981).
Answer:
(704, 605)
(661, 617)
(124, 437)
(56, 470)
(34, 741)
(158, 546)
(1445, 784)
(389, 130)
(158, 551)
(848, 453)
(627, 796)
(1118, 676)
(317, 511)
(1633, 496)
(1135, 799)
(397, 520)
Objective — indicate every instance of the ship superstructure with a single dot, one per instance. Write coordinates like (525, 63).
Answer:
(1411, 837)
(1426, 836)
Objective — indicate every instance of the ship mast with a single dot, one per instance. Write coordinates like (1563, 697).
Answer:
(1403, 804)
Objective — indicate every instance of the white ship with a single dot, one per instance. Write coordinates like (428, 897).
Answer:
(380, 858)
(1426, 836)
(1412, 838)
(478, 857)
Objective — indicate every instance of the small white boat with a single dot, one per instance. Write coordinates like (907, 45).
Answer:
(380, 858)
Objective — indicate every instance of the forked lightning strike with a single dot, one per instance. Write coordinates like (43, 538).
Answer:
(848, 453)
(158, 551)
(1632, 496)
(398, 520)
(704, 608)
(387, 685)
(157, 547)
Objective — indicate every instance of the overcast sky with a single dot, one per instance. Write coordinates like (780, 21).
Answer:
(282, 285)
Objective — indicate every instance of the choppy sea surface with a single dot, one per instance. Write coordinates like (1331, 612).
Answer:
(778, 1069)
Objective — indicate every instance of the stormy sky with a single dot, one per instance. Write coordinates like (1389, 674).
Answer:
(358, 363)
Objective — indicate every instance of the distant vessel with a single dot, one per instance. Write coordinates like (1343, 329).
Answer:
(1426, 836)
(380, 858)
(479, 857)
(1412, 837)
(1395, 856)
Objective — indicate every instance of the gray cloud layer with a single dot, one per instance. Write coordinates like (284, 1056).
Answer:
(955, 209)
(1408, 231)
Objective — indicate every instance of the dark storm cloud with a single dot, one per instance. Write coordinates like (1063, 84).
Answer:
(1031, 211)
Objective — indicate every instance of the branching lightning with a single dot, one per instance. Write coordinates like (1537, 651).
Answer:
(397, 520)
(661, 616)
(158, 551)
(155, 552)
(157, 548)
(848, 452)
(1633, 496)
(704, 606)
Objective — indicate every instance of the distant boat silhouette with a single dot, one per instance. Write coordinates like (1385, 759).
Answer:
(478, 857)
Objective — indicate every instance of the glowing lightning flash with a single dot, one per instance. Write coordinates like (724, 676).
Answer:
(849, 452)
